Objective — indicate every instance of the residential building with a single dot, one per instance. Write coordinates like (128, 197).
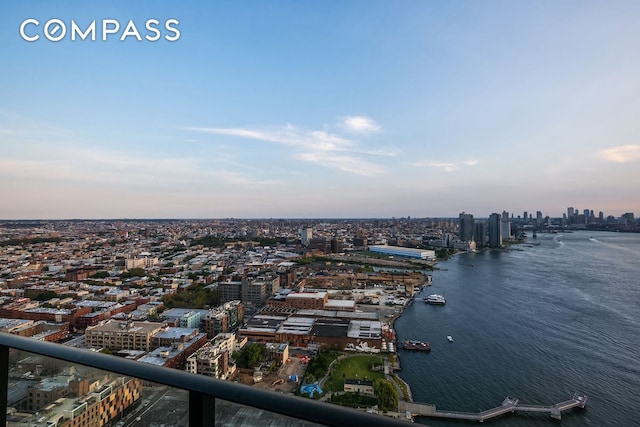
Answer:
(213, 358)
(495, 230)
(305, 236)
(466, 224)
(116, 335)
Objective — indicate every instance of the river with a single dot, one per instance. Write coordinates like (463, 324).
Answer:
(539, 322)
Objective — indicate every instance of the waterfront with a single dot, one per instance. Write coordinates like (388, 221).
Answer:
(537, 323)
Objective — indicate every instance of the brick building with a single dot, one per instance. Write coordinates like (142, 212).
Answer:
(117, 335)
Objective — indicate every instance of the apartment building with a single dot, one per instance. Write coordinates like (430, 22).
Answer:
(213, 358)
(120, 335)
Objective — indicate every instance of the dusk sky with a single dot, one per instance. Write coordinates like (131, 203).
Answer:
(321, 109)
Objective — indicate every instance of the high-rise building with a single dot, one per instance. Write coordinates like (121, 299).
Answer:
(538, 217)
(495, 230)
(627, 218)
(305, 236)
(480, 234)
(337, 245)
(505, 225)
(466, 227)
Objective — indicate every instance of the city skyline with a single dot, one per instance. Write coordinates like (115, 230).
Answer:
(330, 110)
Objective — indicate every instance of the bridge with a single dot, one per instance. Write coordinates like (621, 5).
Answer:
(509, 405)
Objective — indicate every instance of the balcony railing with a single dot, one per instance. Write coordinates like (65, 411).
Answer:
(203, 391)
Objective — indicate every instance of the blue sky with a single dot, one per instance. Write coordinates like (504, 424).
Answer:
(322, 109)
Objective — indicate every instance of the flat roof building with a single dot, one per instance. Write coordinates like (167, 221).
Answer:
(116, 335)
(405, 252)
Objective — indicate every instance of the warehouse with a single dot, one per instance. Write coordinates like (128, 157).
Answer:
(405, 252)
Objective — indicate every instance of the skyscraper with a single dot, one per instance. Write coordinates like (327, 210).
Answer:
(466, 227)
(505, 225)
(495, 230)
(305, 236)
(480, 234)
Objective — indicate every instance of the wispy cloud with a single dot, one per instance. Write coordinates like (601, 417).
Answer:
(287, 135)
(446, 166)
(320, 147)
(104, 167)
(621, 154)
(360, 124)
(344, 163)
(244, 180)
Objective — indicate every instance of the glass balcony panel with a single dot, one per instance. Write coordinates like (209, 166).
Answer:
(46, 392)
(233, 414)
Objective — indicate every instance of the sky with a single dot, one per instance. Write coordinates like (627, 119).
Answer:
(327, 109)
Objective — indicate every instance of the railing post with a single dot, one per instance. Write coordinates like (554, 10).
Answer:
(202, 410)
(4, 383)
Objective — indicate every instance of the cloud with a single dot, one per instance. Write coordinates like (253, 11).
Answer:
(360, 124)
(287, 135)
(320, 147)
(350, 164)
(621, 154)
(102, 167)
(446, 166)
(241, 179)
(54, 155)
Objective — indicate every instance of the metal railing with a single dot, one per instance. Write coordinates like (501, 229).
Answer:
(203, 391)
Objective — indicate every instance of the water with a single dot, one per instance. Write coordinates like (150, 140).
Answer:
(537, 323)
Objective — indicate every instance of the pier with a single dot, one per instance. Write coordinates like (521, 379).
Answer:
(509, 405)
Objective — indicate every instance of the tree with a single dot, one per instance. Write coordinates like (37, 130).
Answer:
(386, 394)
(255, 353)
(140, 272)
(196, 296)
(251, 355)
(100, 275)
(43, 296)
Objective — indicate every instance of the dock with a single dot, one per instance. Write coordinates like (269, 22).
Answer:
(509, 405)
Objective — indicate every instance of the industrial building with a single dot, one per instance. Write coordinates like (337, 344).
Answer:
(404, 252)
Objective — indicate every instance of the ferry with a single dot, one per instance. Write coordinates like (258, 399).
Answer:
(435, 299)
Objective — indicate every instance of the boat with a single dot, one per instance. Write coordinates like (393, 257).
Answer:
(449, 338)
(435, 299)
(416, 345)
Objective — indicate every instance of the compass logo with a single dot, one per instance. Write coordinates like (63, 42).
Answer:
(56, 30)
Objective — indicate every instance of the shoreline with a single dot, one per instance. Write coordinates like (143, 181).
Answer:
(398, 363)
